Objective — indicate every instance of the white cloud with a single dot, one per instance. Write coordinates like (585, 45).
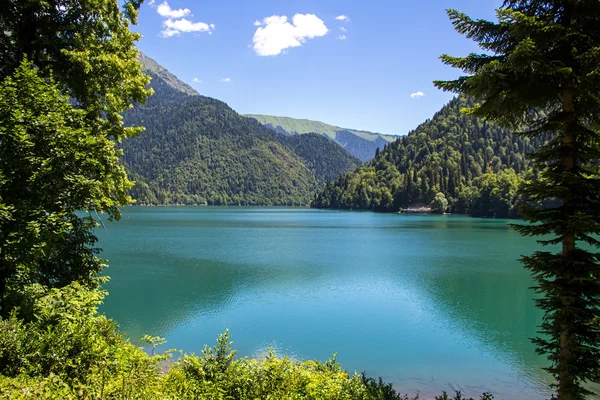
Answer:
(177, 26)
(343, 29)
(416, 95)
(342, 37)
(226, 80)
(175, 23)
(151, 2)
(196, 80)
(275, 34)
(165, 10)
(342, 18)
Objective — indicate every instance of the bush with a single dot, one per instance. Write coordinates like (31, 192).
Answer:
(439, 204)
(215, 374)
(69, 351)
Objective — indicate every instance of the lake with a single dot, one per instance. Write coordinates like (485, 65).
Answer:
(428, 302)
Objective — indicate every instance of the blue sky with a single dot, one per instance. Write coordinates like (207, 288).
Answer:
(355, 72)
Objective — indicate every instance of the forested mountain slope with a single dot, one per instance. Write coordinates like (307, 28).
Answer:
(197, 150)
(361, 144)
(325, 158)
(477, 167)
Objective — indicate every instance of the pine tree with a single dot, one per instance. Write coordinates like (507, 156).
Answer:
(540, 75)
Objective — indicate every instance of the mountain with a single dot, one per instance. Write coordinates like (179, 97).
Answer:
(197, 150)
(361, 144)
(465, 164)
(160, 73)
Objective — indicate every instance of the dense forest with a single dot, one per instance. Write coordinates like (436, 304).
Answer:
(326, 159)
(361, 144)
(452, 162)
(197, 150)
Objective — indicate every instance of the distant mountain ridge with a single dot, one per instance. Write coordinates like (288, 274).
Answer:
(361, 144)
(197, 150)
(158, 71)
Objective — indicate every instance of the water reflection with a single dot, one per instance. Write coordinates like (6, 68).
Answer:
(428, 302)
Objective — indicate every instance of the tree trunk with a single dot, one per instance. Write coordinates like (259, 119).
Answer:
(3, 277)
(567, 339)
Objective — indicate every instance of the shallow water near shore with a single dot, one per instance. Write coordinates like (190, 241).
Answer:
(428, 302)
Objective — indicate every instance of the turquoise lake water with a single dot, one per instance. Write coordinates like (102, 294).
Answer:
(429, 303)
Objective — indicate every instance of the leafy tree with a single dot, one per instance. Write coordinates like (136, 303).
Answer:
(439, 203)
(51, 165)
(87, 48)
(67, 69)
(541, 74)
(496, 195)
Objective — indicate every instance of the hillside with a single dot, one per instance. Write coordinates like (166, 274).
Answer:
(361, 144)
(326, 159)
(197, 150)
(158, 71)
(477, 167)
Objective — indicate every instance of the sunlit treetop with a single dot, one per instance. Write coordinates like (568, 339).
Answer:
(88, 49)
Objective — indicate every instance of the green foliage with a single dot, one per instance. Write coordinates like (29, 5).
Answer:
(377, 389)
(268, 378)
(459, 396)
(439, 204)
(496, 194)
(68, 70)
(86, 47)
(197, 150)
(51, 165)
(69, 351)
(447, 154)
(325, 158)
(153, 341)
(540, 75)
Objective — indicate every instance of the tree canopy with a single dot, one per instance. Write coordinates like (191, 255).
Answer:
(67, 69)
(87, 48)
